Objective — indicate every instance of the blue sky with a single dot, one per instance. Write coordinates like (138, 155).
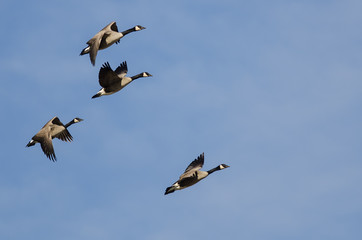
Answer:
(271, 88)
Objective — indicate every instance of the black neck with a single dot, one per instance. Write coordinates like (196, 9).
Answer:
(128, 31)
(214, 169)
(137, 76)
(68, 124)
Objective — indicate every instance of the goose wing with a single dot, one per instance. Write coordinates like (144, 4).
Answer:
(50, 122)
(58, 130)
(47, 147)
(107, 76)
(113, 26)
(189, 177)
(94, 43)
(196, 164)
(56, 121)
(46, 144)
(64, 136)
(122, 70)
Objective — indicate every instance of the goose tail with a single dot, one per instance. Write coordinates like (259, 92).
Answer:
(170, 190)
(97, 95)
(30, 143)
(85, 51)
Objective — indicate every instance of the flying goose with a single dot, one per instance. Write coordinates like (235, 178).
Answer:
(113, 81)
(193, 175)
(105, 38)
(52, 129)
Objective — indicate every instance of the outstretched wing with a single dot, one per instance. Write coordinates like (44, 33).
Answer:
(58, 130)
(46, 145)
(196, 164)
(107, 76)
(122, 70)
(64, 136)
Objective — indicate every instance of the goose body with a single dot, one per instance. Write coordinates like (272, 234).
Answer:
(52, 129)
(105, 38)
(113, 81)
(193, 175)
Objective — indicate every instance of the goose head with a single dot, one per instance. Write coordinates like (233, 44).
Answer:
(77, 120)
(222, 166)
(138, 28)
(146, 74)
(141, 75)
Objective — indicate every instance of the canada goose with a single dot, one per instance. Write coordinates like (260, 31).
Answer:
(193, 175)
(105, 38)
(52, 129)
(113, 81)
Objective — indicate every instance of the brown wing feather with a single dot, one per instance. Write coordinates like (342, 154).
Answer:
(94, 46)
(47, 147)
(64, 136)
(196, 164)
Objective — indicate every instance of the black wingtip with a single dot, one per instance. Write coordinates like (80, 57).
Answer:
(52, 157)
(106, 65)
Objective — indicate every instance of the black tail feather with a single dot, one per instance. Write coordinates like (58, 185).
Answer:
(84, 51)
(97, 95)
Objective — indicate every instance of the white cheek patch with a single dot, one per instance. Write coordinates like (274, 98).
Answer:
(222, 167)
(137, 28)
(145, 74)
